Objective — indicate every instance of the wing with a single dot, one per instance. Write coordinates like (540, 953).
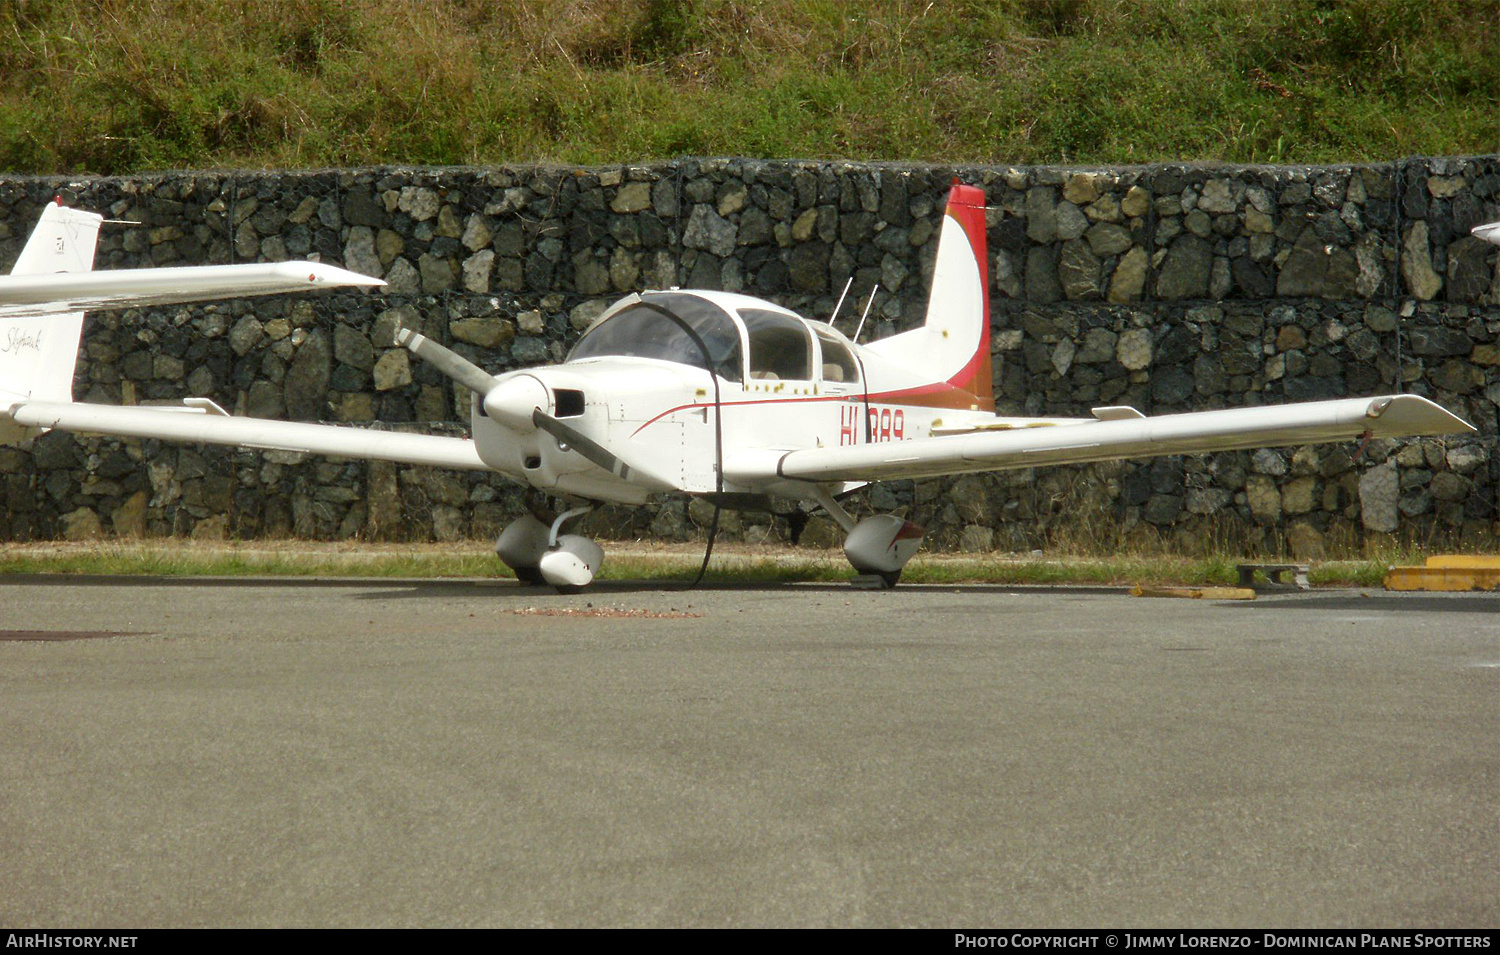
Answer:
(207, 423)
(34, 295)
(1116, 437)
(52, 281)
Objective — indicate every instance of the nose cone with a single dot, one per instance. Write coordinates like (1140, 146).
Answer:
(1489, 232)
(512, 401)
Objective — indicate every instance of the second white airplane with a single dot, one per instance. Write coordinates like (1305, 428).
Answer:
(716, 395)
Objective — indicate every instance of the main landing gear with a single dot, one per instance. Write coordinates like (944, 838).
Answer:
(539, 554)
(878, 547)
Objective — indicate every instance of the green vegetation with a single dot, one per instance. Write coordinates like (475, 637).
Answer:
(168, 558)
(117, 86)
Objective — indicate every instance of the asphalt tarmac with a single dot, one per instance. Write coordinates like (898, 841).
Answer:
(368, 753)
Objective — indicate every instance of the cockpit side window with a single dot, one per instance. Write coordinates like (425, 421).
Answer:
(838, 361)
(642, 331)
(780, 347)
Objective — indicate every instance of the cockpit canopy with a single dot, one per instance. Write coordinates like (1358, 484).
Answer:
(780, 345)
(647, 329)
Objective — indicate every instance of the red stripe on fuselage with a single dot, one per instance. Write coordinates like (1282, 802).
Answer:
(936, 395)
(858, 398)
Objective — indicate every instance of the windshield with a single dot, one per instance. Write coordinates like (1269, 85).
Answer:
(642, 331)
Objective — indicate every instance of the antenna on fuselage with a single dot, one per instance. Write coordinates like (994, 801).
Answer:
(868, 302)
(840, 304)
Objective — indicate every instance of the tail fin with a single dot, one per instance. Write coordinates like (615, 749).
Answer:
(958, 310)
(63, 241)
(38, 355)
(953, 346)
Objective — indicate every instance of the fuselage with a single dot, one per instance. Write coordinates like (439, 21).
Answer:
(638, 383)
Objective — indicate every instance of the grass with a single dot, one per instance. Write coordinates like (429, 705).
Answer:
(638, 562)
(120, 86)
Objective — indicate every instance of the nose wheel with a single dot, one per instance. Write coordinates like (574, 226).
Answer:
(539, 554)
(521, 546)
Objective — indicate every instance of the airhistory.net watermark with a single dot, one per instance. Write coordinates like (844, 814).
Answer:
(59, 940)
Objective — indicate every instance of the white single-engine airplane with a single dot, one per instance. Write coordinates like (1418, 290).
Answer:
(704, 393)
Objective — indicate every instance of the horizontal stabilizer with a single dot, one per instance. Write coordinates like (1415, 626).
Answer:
(211, 428)
(1344, 419)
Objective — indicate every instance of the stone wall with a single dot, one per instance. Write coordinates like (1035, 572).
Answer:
(1165, 287)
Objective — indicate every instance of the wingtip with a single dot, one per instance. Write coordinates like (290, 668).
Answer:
(348, 277)
(319, 273)
(1415, 415)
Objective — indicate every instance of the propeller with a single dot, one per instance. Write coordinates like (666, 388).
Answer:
(449, 362)
(518, 403)
(510, 402)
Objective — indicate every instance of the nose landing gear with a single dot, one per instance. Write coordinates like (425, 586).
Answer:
(539, 554)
